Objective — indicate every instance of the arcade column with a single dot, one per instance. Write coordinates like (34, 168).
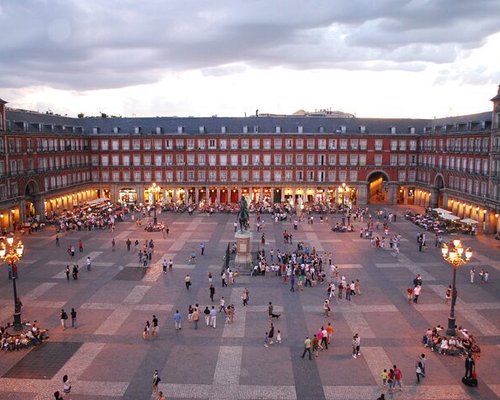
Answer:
(434, 198)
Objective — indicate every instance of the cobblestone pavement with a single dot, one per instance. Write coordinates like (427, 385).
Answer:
(107, 358)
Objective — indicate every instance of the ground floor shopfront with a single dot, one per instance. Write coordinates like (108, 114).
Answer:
(297, 195)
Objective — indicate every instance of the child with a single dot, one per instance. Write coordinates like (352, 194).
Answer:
(278, 337)
(384, 376)
(266, 340)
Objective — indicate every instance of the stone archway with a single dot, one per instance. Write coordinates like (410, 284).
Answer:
(31, 196)
(438, 188)
(378, 191)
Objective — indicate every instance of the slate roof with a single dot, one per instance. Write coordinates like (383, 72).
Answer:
(234, 125)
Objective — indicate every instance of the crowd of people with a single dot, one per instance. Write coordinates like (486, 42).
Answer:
(30, 335)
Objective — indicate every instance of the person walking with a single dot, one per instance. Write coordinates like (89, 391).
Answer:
(73, 318)
(57, 396)
(266, 340)
(326, 307)
(472, 274)
(356, 344)
(469, 366)
(244, 297)
(156, 381)
(307, 347)
(64, 317)
(398, 376)
(315, 346)
(164, 265)
(195, 317)
(324, 338)
(418, 371)
(223, 278)
(187, 281)
(423, 360)
(271, 333)
(212, 292)
(113, 244)
(270, 309)
(145, 332)
(89, 264)
(68, 271)
(202, 248)
(177, 320)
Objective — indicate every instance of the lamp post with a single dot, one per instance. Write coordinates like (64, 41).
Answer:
(455, 254)
(11, 253)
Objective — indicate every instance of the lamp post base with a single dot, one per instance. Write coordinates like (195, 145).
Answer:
(18, 325)
(451, 331)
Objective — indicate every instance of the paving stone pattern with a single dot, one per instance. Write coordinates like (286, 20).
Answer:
(107, 358)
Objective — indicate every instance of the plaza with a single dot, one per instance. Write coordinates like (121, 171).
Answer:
(106, 357)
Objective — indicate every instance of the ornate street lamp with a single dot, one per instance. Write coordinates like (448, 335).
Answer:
(455, 254)
(12, 253)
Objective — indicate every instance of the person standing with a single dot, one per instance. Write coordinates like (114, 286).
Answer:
(57, 240)
(213, 317)
(222, 304)
(156, 328)
(326, 307)
(89, 264)
(145, 332)
(469, 366)
(129, 243)
(448, 295)
(423, 360)
(66, 384)
(156, 381)
(161, 396)
(164, 265)
(324, 338)
(73, 318)
(195, 317)
(409, 293)
(271, 333)
(266, 340)
(315, 346)
(113, 244)
(472, 273)
(67, 272)
(212, 292)
(223, 277)
(202, 248)
(356, 344)
(416, 293)
(244, 297)
(307, 347)
(64, 317)
(177, 320)
(206, 312)
(80, 246)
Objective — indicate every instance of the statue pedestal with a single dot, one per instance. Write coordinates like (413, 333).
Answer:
(243, 247)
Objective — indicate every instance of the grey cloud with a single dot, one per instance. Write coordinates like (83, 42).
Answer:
(110, 44)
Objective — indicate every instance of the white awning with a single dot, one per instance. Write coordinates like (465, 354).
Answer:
(469, 221)
(97, 201)
(449, 217)
(441, 211)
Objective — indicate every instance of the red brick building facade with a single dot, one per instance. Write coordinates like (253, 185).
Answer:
(49, 162)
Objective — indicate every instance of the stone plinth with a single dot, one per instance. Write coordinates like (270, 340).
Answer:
(243, 247)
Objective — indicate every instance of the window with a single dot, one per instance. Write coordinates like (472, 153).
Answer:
(201, 144)
(136, 144)
(223, 160)
(310, 159)
(190, 144)
(393, 160)
(354, 144)
(322, 144)
(402, 145)
(147, 144)
(353, 159)
(125, 160)
(201, 176)
(267, 159)
(234, 160)
(115, 160)
(299, 144)
(125, 144)
(332, 144)
(180, 176)
(147, 159)
(212, 160)
(115, 144)
(256, 159)
(277, 159)
(255, 144)
(394, 145)
(245, 175)
(244, 159)
(212, 144)
(332, 175)
(223, 175)
(402, 175)
(288, 176)
(277, 176)
(343, 159)
(245, 144)
(343, 144)
(95, 160)
(234, 144)
(266, 176)
(201, 159)
(255, 175)
(288, 144)
(363, 143)
(379, 144)
(299, 159)
(277, 143)
(179, 159)
(299, 175)
(402, 160)
(137, 160)
(223, 144)
(310, 176)
(310, 144)
(332, 159)
(157, 144)
(267, 144)
(353, 176)
(158, 160)
(234, 175)
(378, 159)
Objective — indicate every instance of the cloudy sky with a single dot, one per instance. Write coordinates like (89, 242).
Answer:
(383, 58)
